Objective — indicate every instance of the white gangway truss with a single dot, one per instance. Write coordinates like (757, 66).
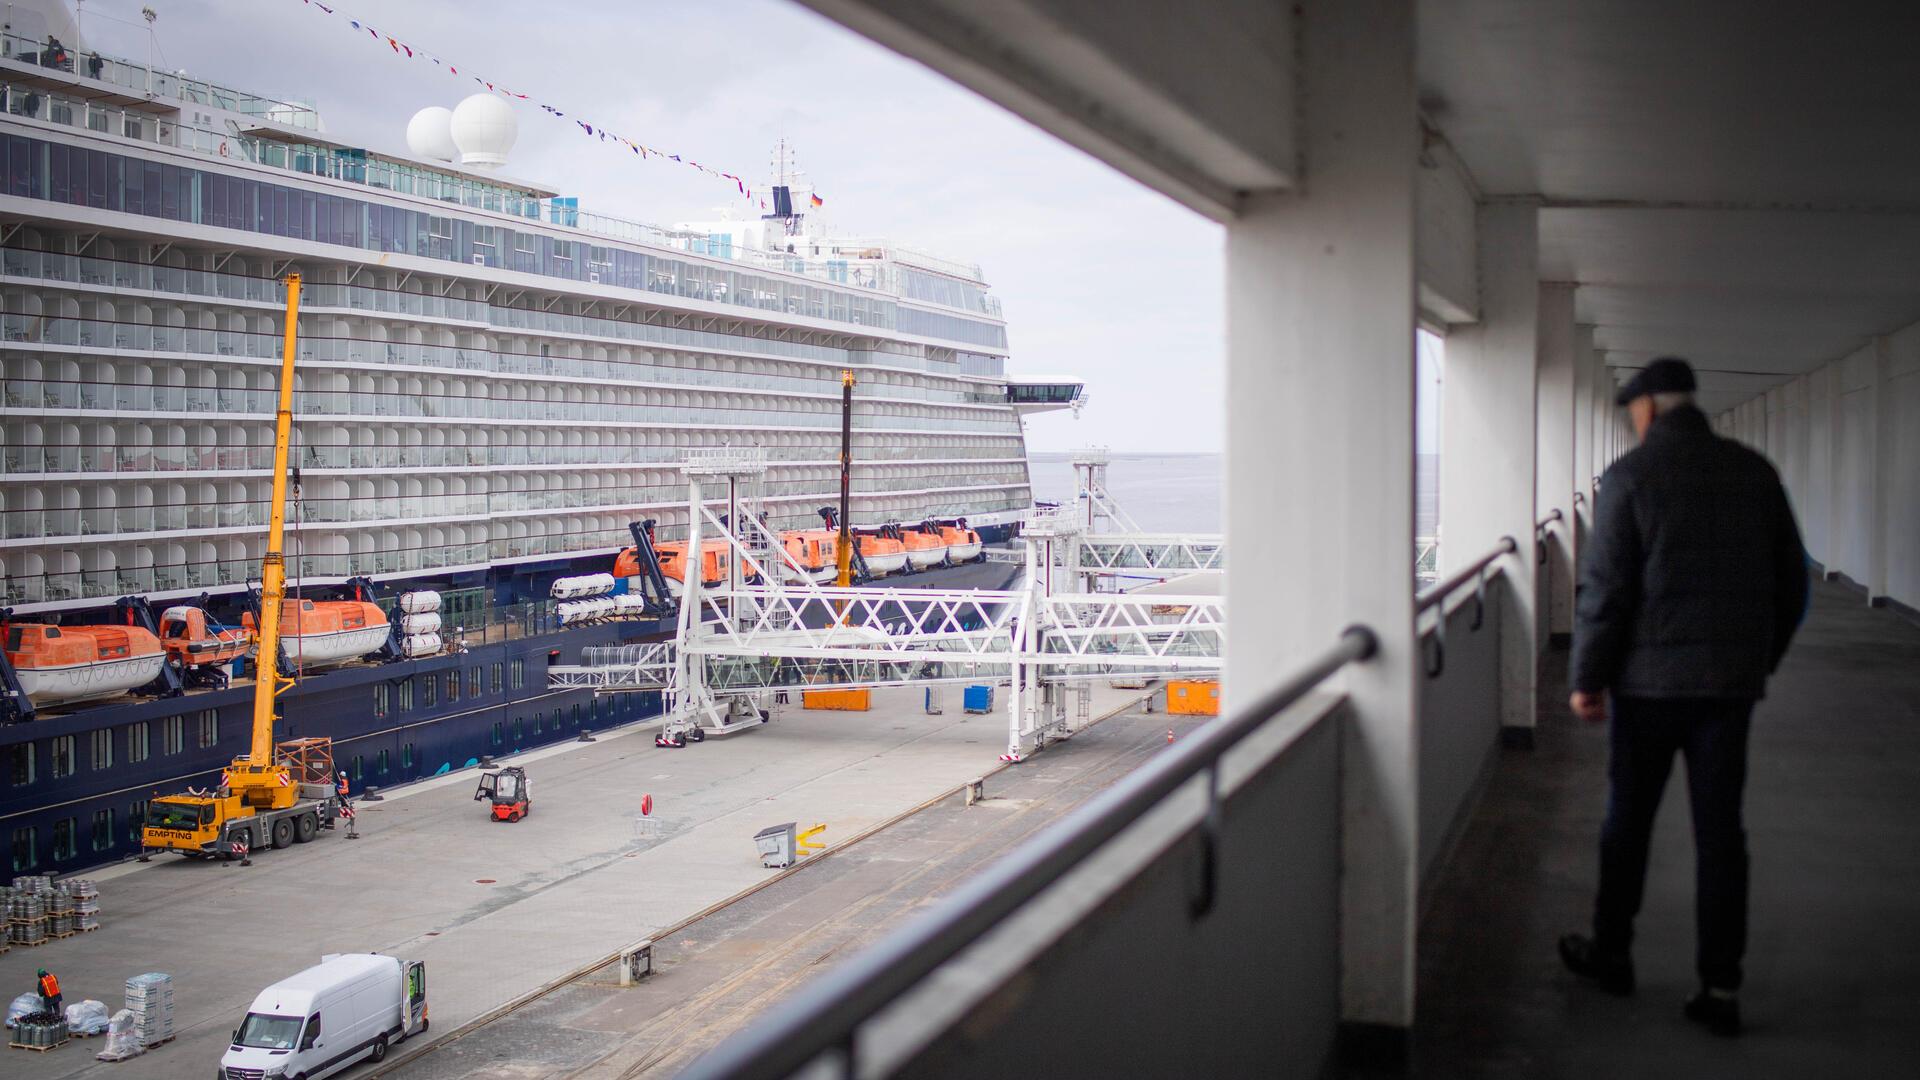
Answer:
(770, 627)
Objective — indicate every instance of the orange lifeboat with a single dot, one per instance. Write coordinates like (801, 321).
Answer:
(815, 550)
(924, 549)
(673, 564)
(883, 554)
(191, 642)
(74, 663)
(962, 544)
(317, 633)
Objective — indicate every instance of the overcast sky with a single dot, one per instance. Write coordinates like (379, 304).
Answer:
(1100, 278)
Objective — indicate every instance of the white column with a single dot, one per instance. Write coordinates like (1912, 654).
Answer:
(1880, 457)
(1836, 503)
(1488, 439)
(1320, 340)
(1559, 343)
(1584, 436)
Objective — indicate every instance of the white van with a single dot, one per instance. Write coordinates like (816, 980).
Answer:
(347, 1008)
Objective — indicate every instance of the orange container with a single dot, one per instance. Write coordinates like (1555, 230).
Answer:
(1194, 697)
(840, 700)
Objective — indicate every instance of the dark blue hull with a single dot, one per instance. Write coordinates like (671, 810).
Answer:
(74, 787)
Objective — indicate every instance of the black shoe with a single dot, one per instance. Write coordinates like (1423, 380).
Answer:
(1717, 1011)
(1612, 972)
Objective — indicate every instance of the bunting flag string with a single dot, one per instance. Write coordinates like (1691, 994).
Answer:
(408, 52)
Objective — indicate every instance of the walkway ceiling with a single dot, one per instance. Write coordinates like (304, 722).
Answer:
(1737, 182)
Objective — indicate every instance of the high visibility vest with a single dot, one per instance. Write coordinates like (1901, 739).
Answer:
(49, 986)
(343, 785)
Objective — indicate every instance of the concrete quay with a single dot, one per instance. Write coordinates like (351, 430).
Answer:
(499, 910)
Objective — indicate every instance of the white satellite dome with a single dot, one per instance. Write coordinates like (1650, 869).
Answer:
(484, 128)
(430, 134)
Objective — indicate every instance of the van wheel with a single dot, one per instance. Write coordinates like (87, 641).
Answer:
(283, 832)
(305, 828)
(379, 1050)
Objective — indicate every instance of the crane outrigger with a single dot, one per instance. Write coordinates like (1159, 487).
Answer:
(275, 795)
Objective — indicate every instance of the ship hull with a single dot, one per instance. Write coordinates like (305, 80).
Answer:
(378, 746)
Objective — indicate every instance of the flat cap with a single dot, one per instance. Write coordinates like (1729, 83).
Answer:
(1665, 375)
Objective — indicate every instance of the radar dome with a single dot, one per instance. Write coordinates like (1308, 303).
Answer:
(430, 134)
(484, 128)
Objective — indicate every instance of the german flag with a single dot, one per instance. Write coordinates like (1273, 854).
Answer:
(816, 200)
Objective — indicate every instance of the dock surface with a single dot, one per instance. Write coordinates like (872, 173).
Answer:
(713, 977)
(499, 910)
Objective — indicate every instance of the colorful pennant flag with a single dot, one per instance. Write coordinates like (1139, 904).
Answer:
(406, 51)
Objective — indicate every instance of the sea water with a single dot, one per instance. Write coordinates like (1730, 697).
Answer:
(1181, 493)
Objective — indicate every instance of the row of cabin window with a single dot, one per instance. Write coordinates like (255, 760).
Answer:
(63, 757)
(427, 689)
(66, 837)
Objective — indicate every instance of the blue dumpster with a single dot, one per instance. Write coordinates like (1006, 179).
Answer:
(977, 699)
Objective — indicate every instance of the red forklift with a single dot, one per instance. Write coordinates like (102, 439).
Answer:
(508, 792)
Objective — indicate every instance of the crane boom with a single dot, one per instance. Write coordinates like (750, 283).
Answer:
(843, 547)
(273, 570)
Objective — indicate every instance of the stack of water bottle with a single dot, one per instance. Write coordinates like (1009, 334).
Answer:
(150, 999)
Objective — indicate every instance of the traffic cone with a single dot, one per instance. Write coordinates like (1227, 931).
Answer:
(1169, 736)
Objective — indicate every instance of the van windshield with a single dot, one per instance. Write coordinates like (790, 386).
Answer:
(270, 1032)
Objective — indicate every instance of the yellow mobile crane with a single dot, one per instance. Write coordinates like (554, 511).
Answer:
(276, 795)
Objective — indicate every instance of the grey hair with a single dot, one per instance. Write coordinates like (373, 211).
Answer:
(1669, 400)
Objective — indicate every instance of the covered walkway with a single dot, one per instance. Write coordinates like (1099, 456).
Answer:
(1833, 823)
(1563, 190)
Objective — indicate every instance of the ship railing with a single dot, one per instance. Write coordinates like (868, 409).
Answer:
(139, 80)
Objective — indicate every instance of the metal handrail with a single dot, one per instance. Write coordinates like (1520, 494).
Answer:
(1440, 590)
(828, 1016)
(1545, 522)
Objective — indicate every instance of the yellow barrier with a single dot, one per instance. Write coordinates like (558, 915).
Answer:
(808, 845)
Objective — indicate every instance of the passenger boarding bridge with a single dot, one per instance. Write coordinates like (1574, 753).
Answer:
(1361, 868)
(740, 642)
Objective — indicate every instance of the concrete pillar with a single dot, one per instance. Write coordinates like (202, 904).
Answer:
(1488, 439)
(1320, 376)
(1585, 359)
(1559, 342)
(1880, 489)
(1836, 504)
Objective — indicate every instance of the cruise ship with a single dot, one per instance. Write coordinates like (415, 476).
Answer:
(494, 387)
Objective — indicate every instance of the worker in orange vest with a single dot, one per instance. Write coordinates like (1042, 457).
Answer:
(49, 992)
(343, 785)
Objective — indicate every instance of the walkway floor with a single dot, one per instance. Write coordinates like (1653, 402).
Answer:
(1833, 821)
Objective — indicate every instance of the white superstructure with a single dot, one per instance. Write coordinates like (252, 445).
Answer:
(488, 374)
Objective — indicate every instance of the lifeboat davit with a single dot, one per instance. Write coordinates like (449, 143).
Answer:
(193, 639)
(74, 663)
(316, 633)
(924, 549)
(962, 544)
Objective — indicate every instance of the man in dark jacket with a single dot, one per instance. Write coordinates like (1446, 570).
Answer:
(1692, 584)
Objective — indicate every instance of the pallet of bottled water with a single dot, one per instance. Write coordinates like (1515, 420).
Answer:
(150, 999)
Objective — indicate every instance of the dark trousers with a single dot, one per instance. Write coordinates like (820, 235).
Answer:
(1645, 733)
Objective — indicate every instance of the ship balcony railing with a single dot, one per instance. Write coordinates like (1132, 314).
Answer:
(34, 460)
(139, 80)
(63, 330)
(218, 285)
